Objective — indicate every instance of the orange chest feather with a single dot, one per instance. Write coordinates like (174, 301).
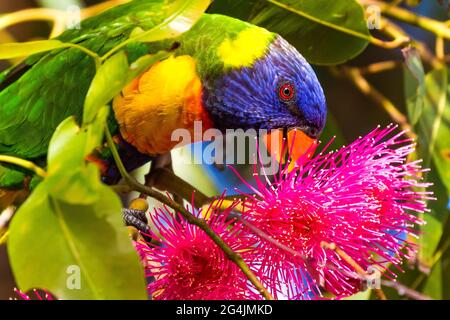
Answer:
(165, 98)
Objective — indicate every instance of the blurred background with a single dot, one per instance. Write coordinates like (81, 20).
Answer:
(351, 113)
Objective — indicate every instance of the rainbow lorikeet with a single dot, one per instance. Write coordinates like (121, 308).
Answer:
(227, 73)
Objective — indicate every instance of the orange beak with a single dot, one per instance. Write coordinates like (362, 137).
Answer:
(290, 145)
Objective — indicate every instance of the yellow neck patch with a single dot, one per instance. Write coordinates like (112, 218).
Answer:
(249, 45)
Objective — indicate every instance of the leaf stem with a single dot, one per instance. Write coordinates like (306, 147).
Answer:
(201, 223)
(73, 247)
(24, 164)
(404, 290)
(90, 53)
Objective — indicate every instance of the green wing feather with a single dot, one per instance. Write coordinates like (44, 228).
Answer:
(37, 95)
(50, 87)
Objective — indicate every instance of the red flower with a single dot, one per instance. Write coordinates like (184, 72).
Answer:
(43, 295)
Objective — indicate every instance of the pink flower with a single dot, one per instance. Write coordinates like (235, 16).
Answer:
(360, 199)
(188, 265)
(43, 295)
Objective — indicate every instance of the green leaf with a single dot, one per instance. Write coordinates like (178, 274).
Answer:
(362, 295)
(445, 262)
(239, 9)
(184, 14)
(66, 149)
(433, 285)
(70, 179)
(109, 80)
(432, 231)
(325, 32)
(80, 186)
(433, 129)
(96, 130)
(17, 50)
(70, 144)
(71, 227)
(414, 75)
(436, 121)
(50, 241)
(181, 17)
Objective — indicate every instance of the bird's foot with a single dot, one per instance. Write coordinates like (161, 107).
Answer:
(137, 219)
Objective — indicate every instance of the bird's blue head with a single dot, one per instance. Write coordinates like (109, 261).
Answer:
(279, 90)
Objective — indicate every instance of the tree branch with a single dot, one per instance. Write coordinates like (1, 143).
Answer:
(24, 164)
(201, 223)
(165, 180)
(404, 290)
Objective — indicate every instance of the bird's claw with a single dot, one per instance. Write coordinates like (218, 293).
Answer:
(137, 219)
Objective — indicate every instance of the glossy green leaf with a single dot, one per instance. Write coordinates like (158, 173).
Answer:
(433, 129)
(96, 130)
(184, 14)
(414, 75)
(325, 32)
(433, 285)
(109, 80)
(362, 295)
(66, 149)
(434, 125)
(70, 178)
(80, 185)
(432, 231)
(445, 261)
(70, 144)
(240, 9)
(74, 251)
(17, 50)
(71, 227)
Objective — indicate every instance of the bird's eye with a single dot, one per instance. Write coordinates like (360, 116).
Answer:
(286, 91)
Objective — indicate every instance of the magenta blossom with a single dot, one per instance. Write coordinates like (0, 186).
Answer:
(188, 265)
(43, 295)
(360, 199)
